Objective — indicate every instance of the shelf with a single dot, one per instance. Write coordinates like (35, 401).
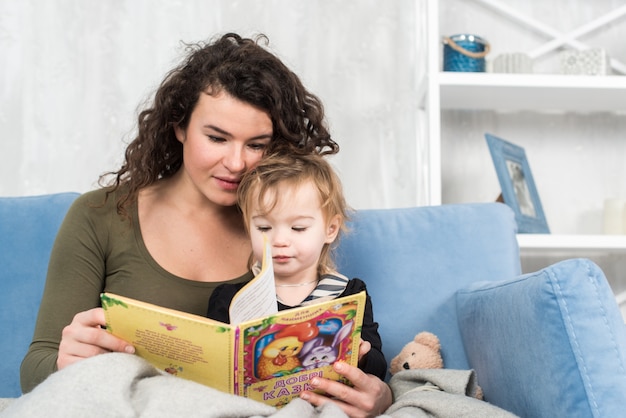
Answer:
(580, 245)
(540, 92)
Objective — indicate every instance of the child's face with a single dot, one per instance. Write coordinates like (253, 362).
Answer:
(297, 231)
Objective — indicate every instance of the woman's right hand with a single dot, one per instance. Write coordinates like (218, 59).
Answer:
(86, 337)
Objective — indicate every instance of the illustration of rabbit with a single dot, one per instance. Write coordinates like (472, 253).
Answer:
(315, 354)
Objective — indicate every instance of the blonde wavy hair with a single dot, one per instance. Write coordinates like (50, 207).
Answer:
(294, 170)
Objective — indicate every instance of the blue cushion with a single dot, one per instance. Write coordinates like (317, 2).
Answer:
(28, 226)
(561, 324)
(413, 261)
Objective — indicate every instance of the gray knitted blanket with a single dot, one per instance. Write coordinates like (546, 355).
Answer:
(123, 385)
(439, 393)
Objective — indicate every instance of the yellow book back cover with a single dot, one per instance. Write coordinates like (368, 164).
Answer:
(182, 344)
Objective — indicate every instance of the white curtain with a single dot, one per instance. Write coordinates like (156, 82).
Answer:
(73, 73)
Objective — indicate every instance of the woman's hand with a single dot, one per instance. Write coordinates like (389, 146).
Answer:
(85, 337)
(369, 397)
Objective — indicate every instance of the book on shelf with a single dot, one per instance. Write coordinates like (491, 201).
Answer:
(263, 354)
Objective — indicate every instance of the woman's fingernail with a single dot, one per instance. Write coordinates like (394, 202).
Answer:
(129, 349)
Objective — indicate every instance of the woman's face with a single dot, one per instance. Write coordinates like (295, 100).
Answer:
(225, 138)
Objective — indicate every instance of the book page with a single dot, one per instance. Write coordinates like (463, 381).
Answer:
(258, 298)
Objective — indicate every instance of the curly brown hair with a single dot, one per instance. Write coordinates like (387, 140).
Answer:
(246, 70)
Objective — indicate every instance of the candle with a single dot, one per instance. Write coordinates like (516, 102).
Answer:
(614, 216)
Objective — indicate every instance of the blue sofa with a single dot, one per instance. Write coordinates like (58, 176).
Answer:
(546, 344)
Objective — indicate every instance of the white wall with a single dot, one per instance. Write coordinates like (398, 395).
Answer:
(73, 72)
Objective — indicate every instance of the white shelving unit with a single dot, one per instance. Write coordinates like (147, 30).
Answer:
(521, 92)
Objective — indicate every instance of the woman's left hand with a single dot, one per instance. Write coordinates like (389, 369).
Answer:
(368, 397)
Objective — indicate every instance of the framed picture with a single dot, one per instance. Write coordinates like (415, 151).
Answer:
(518, 187)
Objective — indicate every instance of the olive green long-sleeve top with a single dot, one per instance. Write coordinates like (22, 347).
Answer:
(98, 250)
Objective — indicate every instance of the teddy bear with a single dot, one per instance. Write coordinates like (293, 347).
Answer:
(423, 352)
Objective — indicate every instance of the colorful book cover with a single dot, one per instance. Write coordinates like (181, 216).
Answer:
(279, 355)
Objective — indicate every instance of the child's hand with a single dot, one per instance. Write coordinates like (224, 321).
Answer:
(364, 348)
(369, 397)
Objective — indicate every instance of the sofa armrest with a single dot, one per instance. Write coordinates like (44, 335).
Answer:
(550, 343)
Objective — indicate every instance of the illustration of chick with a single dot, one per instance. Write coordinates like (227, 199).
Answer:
(280, 355)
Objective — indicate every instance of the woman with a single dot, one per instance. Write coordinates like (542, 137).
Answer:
(165, 228)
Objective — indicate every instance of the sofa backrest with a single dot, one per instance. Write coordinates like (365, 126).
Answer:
(28, 226)
(413, 261)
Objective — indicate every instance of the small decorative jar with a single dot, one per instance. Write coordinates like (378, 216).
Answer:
(517, 62)
(593, 61)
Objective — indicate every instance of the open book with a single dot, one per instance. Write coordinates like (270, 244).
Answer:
(270, 357)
